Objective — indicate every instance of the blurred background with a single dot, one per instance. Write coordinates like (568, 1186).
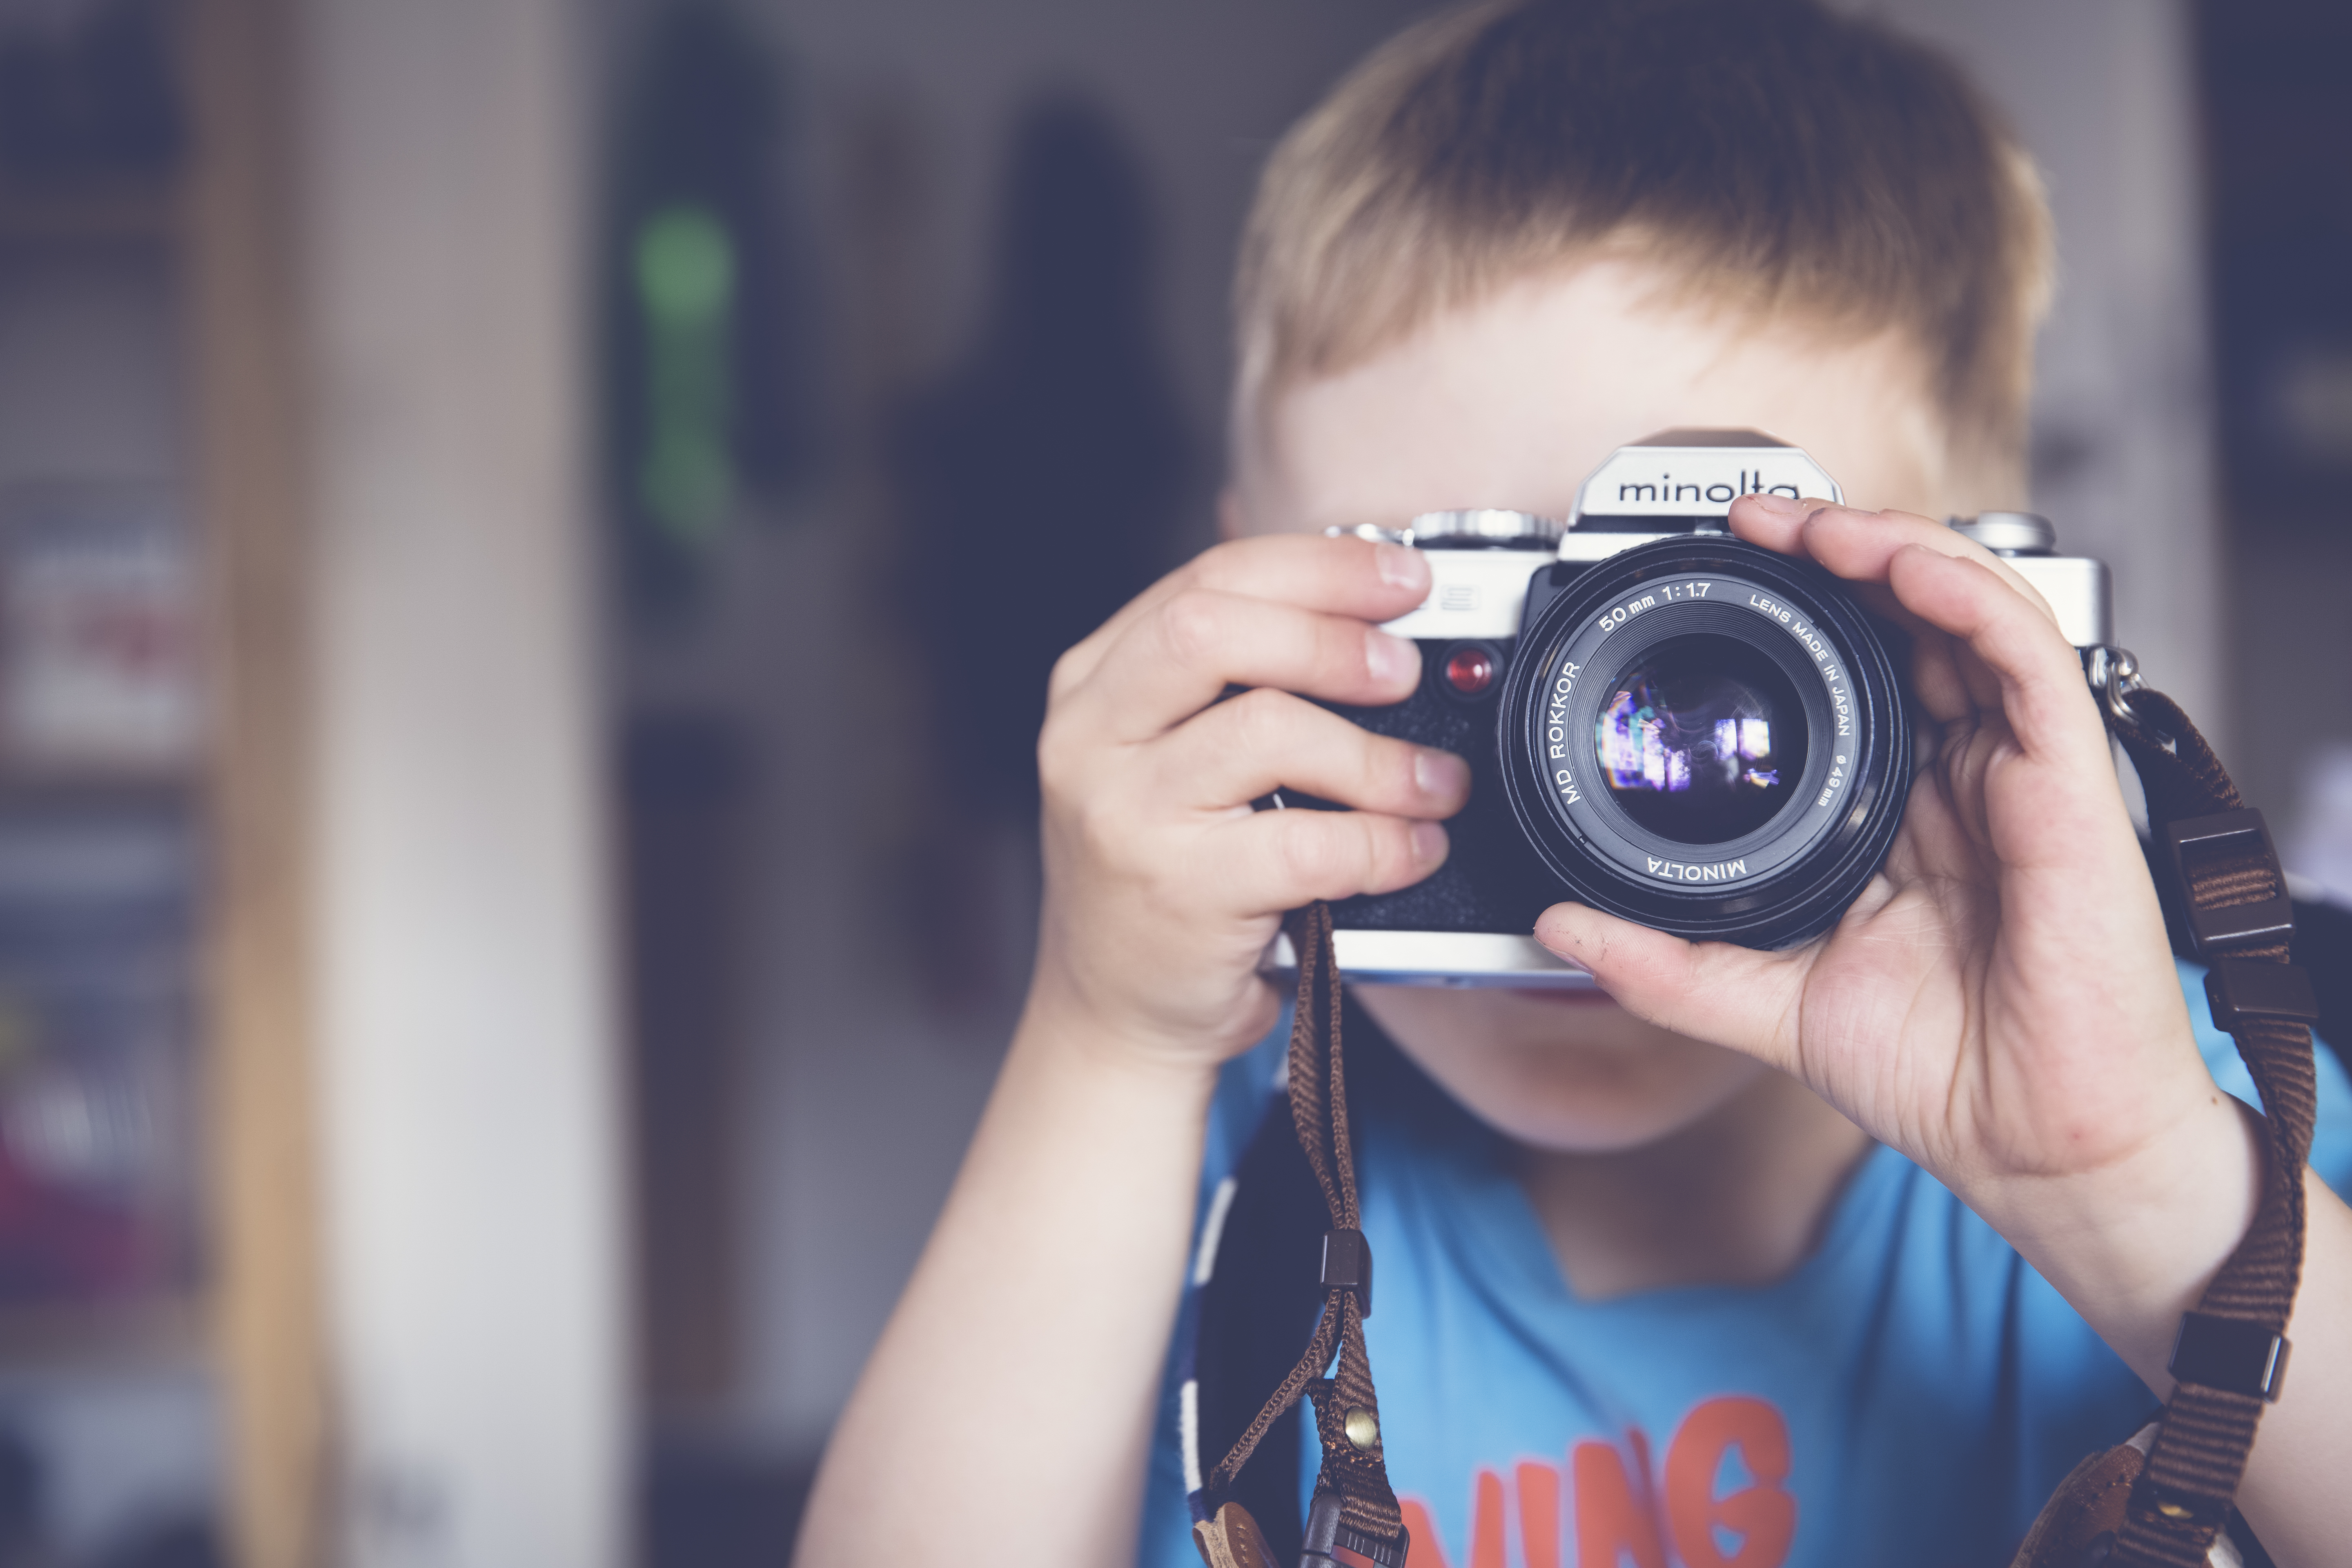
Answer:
(531, 532)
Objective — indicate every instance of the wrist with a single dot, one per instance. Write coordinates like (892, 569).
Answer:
(2133, 1244)
(1062, 1034)
(1149, 1011)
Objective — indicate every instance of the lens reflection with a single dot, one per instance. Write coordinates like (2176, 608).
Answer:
(1703, 739)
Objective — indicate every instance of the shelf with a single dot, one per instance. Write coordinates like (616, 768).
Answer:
(34, 791)
(45, 1338)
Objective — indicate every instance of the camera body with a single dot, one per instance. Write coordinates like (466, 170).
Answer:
(1660, 719)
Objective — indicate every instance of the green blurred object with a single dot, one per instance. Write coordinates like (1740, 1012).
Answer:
(711, 341)
(686, 288)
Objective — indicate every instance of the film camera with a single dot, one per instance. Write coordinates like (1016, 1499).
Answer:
(1661, 721)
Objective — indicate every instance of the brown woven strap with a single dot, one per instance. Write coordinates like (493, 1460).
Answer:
(2184, 1494)
(1347, 1410)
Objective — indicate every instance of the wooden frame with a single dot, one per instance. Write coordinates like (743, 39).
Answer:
(265, 1307)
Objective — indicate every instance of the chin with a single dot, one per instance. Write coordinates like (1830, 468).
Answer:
(1564, 1078)
(1571, 1113)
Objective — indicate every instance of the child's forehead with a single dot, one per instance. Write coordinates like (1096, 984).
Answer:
(1511, 402)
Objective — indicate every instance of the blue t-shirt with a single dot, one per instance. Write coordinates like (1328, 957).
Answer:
(1910, 1394)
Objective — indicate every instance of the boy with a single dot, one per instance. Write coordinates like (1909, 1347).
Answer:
(1732, 1268)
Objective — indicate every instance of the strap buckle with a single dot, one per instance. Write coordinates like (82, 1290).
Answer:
(1331, 1543)
(2195, 843)
(2242, 991)
(1348, 1266)
(2234, 1355)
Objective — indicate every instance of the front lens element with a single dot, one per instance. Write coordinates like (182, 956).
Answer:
(1701, 740)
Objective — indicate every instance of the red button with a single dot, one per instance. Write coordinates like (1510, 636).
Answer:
(1470, 671)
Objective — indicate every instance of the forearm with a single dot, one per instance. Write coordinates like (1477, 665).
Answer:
(2133, 1250)
(1017, 1379)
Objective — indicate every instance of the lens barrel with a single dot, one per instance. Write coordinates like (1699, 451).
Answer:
(1708, 738)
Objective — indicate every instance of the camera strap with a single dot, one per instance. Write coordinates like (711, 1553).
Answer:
(2161, 1501)
(2165, 1497)
(1354, 1522)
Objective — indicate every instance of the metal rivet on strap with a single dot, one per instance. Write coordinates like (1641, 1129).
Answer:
(1363, 1426)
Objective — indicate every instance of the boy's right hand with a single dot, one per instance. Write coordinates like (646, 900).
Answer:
(1162, 886)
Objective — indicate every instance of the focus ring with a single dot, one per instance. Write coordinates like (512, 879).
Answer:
(1777, 883)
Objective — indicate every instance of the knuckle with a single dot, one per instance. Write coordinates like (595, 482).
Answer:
(1056, 760)
(1262, 719)
(1306, 852)
(1217, 562)
(1338, 650)
(1104, 831)
(1336, 855)
(1068, 670)
(1387, 862)
(1233, 564)
(1387, 767)
(1193, 625)
(1342, 643)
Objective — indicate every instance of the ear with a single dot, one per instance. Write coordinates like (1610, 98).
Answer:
(1229, 515)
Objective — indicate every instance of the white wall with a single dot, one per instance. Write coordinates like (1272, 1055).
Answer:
(2104, 92)
(471, 1159)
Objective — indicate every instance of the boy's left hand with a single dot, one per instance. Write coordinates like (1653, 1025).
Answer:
(2000, 1003)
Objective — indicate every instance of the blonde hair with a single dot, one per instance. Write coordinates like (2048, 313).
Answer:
(1770, 155)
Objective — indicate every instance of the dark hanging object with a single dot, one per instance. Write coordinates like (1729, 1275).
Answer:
(1044, 480)
(2276, 120)
(709, 354)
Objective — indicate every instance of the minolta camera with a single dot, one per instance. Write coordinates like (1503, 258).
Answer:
(1661, 721)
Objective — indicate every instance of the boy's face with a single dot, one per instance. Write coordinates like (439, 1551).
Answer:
(1510, 404)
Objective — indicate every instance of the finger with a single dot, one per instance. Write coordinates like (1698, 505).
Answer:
(1266, 740)
(1944, 676)
(1945, 679)
(2038, 673)
(1775, 522)
(1174, 661)
(1276, 860)
(1371, 581)
(1859, 546)
(1949, 683)
(1863, 545)
(1711, 991)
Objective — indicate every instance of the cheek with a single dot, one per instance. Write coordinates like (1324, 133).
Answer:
(1582, 1080)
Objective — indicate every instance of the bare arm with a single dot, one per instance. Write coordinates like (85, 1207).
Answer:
(1006, 1417)
(2133, 1246)
(1012, 1394)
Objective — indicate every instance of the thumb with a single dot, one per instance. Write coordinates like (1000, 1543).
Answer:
(1712, 991)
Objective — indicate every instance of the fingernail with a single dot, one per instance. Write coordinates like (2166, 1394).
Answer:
(1556, 936)
(1392, 660)
(1783, 508)
(1428, 842)
(1440, 774)
(1401, 567)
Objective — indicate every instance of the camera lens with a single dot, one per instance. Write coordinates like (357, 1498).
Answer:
(1703, 741)
(1705, 737)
